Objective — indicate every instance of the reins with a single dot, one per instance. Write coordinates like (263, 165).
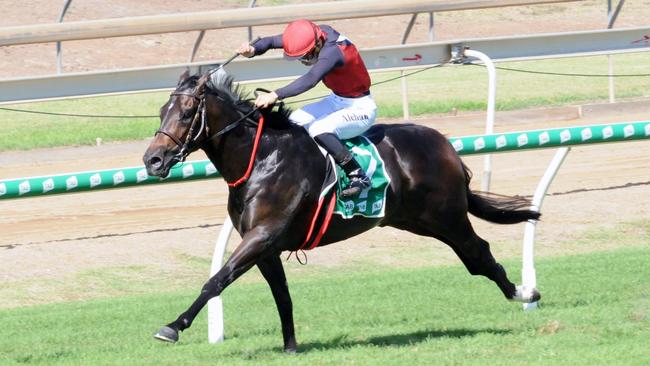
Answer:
(190, 143)
(231, 126)
(251, 161)
(258, 135)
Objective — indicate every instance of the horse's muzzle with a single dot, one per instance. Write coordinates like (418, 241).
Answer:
(154, 164)
(158, 162)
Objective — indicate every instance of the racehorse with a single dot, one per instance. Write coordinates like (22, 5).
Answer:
(275, 179)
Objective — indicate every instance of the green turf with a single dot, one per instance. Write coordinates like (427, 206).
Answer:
(594, 312)
(438, 90)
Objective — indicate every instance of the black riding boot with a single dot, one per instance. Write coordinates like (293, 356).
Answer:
(358, 178)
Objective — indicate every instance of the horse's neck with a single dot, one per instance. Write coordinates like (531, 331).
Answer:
(232, 154)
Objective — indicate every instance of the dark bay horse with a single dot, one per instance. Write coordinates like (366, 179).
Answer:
(428, 195)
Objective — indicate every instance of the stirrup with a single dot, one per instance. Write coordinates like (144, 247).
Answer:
(358, 182)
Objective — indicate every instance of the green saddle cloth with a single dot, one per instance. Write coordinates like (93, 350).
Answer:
(370, 202)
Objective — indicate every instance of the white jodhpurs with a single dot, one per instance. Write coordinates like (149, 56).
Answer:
(344, 117)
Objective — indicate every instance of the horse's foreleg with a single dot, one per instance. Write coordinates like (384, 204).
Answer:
(242, 259)
(271, 268)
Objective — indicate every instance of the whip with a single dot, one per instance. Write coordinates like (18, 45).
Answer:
(233, 57)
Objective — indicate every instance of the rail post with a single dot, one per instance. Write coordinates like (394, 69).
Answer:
(528, 274)
(215, 305)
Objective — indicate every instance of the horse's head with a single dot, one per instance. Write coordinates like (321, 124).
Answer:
(184, 124)
(198, 113)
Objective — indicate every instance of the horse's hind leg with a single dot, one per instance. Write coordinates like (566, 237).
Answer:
(271, 268)
(475, 254)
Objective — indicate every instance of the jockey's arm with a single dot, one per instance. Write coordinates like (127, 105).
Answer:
(267, 43)
(328, 59)
(261, 46)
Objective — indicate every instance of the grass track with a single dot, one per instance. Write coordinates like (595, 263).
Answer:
(595, 311)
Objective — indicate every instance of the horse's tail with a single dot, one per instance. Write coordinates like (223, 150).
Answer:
(497, 208)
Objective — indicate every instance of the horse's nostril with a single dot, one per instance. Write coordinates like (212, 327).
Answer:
(155, 162)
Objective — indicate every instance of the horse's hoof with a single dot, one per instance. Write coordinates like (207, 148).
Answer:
(526, 295)
(167, 334)
(290, 351)
(535, 295)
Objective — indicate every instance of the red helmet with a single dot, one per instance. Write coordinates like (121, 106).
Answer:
(299, 38)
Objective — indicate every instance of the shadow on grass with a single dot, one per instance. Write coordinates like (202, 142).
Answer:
(397, 339)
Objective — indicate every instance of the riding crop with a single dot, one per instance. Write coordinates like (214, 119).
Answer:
(233, 57)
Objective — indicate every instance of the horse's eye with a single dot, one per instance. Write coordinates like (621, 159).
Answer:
(187, 114)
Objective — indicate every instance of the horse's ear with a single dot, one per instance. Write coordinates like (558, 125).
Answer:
(184, 76)
(205, 78)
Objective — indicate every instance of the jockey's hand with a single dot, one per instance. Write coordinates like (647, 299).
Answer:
(265, 100)
(246, 50)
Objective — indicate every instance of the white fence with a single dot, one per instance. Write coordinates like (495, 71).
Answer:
(572, 44)
(384, 58)
(245, 17)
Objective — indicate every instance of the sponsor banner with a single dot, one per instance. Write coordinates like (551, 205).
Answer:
(554, 137)
(125, 177)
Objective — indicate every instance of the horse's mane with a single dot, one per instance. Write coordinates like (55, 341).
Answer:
(223, 85)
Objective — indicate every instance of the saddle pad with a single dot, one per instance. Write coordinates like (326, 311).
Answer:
(370, 202)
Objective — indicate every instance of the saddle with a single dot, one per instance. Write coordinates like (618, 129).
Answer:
(369, 203)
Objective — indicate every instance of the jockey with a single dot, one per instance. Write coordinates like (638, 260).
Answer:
(348, 112)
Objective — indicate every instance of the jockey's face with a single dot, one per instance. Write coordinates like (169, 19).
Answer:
(311, 57)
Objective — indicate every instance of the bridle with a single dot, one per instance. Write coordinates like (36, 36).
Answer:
(192, 142)
(186, 146)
